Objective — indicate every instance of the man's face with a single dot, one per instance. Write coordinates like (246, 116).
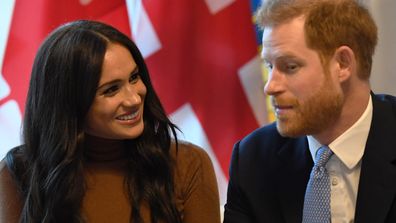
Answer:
(306, 99)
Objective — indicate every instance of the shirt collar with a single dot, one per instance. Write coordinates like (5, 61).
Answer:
(349, 146)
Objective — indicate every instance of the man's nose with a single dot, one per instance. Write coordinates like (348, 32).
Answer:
(274, 84)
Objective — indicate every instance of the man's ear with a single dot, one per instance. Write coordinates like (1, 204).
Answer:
(345, 58)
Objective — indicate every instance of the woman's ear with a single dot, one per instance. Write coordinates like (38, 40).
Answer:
(345, 58)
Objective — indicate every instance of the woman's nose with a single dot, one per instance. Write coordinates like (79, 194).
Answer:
(131, 97)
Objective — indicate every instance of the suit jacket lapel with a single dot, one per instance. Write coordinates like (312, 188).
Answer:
(293, 177)
(377, 185)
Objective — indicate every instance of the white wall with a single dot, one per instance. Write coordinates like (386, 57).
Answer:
(383, 79)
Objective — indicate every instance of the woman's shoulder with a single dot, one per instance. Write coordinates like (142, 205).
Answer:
(9, 196)
(2, 165)
(188, 152)
(190, 159)
(3, 168)
(195, 184)
(5, 174)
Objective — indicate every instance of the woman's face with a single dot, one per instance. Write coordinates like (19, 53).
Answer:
(117, 110)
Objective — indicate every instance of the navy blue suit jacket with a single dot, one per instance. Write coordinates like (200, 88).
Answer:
(269, 174)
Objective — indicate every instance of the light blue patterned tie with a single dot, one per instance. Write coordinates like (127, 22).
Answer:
(317, 195)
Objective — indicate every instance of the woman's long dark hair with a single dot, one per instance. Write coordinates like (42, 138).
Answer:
(48, 168)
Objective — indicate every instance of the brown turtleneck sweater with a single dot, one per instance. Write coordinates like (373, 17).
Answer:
(105, 200)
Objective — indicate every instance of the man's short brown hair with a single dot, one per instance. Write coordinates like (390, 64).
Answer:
(329, 24)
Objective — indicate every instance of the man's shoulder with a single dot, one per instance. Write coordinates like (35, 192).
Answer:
(387, 100)
(264, 142)
(265, 136)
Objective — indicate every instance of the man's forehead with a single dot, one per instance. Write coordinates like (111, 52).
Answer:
(283, 37)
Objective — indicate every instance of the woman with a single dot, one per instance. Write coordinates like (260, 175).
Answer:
(97, 142)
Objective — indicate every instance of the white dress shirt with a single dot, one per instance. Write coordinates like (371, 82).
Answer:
(344, 166)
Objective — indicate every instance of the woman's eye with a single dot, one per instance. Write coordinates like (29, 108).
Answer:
(134, 78)
(111, 90)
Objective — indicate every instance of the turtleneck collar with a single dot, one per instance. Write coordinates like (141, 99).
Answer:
(99, 149)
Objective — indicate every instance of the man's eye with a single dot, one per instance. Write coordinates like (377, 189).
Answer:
(291, 68)
(268, 65)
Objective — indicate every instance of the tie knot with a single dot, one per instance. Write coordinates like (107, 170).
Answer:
(322, 156)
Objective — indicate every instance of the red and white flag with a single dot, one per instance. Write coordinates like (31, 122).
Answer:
(201, 54)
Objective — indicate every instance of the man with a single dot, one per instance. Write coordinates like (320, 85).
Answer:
(319, 56)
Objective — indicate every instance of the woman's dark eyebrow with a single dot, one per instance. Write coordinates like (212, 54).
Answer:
(134, 71)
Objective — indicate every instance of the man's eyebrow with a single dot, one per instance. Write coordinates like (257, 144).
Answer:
(284, 56)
